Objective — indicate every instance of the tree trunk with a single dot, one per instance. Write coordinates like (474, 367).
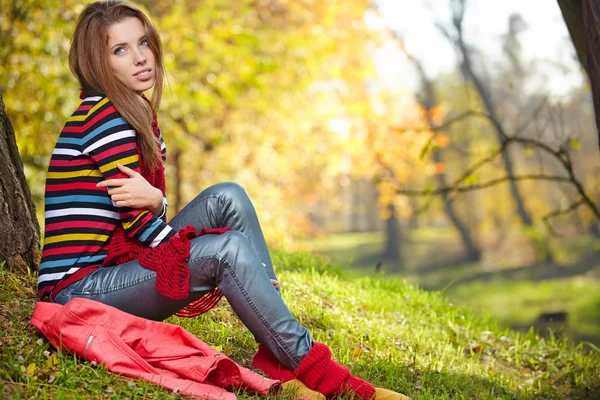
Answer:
(428, 101)
(19, 228)
(472, 251)
(591, 20)
(501, 136)
(392, 254)
(583, 21)
(572, 12)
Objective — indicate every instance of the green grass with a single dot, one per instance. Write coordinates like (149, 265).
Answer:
(387, 331)
(499, 286)
(519, 303)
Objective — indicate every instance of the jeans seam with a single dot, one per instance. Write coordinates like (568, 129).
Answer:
(259, 315)
(200, 258)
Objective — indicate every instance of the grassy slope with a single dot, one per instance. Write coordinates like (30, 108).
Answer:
(514, 293)
(389, 332)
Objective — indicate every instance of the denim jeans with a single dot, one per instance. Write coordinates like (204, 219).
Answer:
(232, 261)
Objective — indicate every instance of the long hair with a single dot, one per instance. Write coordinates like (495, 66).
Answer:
(89, 62)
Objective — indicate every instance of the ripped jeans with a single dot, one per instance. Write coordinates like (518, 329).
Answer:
(233, 261)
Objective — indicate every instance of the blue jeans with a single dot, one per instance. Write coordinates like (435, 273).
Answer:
(232, 261)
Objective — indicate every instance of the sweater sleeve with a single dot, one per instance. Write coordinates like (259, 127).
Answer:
(163, 215)
(109, 139)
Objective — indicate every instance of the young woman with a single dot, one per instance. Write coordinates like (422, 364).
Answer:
(106, 235)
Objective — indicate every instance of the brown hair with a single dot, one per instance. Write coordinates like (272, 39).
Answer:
(89, 62)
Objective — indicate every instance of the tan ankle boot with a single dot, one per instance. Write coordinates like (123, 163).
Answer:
(299, 390)
(385, 394)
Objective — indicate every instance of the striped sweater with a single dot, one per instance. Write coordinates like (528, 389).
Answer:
(80, 217)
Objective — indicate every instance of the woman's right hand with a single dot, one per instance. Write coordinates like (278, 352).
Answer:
(134, 192)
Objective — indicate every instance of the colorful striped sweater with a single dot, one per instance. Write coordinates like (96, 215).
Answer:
(80, 217)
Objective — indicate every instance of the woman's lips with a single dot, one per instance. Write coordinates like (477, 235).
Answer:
(144, 75)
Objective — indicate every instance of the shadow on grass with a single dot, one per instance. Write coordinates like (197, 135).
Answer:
(454, 262)
(367, 257)
(432, 384)
(535, 272)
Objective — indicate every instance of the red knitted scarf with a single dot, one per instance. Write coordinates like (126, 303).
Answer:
(168, 259)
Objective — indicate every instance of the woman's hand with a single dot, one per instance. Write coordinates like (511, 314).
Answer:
(134, 192)
(275, 282)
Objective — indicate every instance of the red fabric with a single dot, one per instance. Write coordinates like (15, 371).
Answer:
(169, 260)
(318, 371)
(161, 353)
(267, 363)
(80, 274)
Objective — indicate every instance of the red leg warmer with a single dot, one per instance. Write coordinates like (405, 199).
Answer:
(267, 363)
(318, 371)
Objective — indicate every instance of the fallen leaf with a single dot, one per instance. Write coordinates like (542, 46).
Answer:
(474, 347)
(30, 369)
(357, 353)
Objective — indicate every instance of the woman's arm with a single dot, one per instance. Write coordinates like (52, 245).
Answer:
(109, 139)
(135, 192)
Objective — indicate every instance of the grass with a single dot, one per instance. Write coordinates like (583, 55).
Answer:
(519, 303)
(387, 331)
(499, 285)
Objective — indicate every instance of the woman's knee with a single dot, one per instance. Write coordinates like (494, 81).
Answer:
(211, 254)
(235, 246)
(231, 246)
(228, 190)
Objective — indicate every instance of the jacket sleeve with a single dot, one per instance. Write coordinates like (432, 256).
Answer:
(109, 139)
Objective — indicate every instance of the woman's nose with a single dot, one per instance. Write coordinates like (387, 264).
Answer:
(139, 58)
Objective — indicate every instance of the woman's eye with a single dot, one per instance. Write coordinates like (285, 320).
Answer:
(119, 50)
(144, 42)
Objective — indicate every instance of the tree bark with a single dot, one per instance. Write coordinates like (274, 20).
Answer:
(583, 22)
(19, 228)
(572, 12)
(591, 21)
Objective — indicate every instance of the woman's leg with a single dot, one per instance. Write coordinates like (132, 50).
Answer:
(226, 205)
(226, 261)
(233, 262)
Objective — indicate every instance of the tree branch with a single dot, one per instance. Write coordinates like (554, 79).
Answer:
(461, 189)
(562, 211)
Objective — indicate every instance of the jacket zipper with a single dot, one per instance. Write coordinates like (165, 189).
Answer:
(89, 341)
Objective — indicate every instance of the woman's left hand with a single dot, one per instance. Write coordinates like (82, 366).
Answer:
(275, 282)
(133, 192)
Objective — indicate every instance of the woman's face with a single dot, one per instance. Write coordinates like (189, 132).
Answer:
(131, 60)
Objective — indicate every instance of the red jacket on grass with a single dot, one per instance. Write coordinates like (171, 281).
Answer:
(157, 352)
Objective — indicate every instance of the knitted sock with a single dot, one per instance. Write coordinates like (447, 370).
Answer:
(267, 363)
(318, 371)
